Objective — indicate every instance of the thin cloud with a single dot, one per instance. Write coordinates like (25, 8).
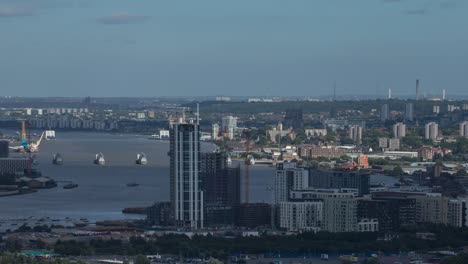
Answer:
(15, 12)
(121, 18)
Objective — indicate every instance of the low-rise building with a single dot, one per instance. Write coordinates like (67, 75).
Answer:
(314, 151)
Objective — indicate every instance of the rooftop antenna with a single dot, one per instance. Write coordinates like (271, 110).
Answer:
(183, 114)
(198, 114)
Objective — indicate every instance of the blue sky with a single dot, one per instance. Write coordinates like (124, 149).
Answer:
(235, 47)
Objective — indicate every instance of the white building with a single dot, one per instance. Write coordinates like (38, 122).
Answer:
(355, 133)
(215, 131)
(464, 129)
(431, 131)
(301, 216)
(287, 178)
(399, 130)
(229, 126)
(163, 134)
(141, 115)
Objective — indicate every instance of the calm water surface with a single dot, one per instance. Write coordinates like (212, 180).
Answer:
(102, 191)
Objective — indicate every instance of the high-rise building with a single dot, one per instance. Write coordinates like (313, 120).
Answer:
(464, 129)
(215, 131)
(436, 109)
(221, 188)
(253, 215)
(294, 118)
(159, 214)
(386, 211)
(4, 148)
(399, 130)
(288, 178)
(409, 112)
(229, 126)
(393, 143)
(389, 143)
(16, 166)
(355, 133)
(301, 216)
(185, 183)
(385, 113)
(340, 215)
(383, 142)
(431, 131)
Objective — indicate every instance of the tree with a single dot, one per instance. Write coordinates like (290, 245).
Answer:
(371, 261)
(396, 171)
(330, 137)
(460, 259)
(140, 259)
(214, 261)
(413, 142)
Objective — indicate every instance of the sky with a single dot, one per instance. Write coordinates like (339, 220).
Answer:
(148, 48)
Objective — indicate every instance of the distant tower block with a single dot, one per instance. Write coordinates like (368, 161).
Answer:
(389, 93)
(443, 94)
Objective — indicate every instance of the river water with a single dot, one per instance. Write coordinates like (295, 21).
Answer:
(103, 191)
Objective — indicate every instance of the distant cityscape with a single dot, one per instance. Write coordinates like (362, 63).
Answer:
(359, 166)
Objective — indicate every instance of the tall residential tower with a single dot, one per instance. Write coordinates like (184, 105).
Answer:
(186, 192)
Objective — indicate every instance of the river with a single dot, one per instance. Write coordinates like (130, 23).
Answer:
(103, 191)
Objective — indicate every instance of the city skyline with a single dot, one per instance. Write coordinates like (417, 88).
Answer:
(260, 48)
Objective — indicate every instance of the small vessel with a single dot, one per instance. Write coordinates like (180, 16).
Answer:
(50, 135)
(154, 137)
(57, 159)
(99, 160)
(132, 184)
(141, 159)
(70, 186)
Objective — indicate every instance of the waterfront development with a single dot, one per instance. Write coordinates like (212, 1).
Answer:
(102, 191)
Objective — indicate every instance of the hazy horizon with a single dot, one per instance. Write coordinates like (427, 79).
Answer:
(118, 48)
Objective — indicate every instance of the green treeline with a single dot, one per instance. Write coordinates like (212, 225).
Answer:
(19, 259)
(221, 247)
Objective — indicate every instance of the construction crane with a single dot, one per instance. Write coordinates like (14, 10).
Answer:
(26, 143)
(247, 166)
